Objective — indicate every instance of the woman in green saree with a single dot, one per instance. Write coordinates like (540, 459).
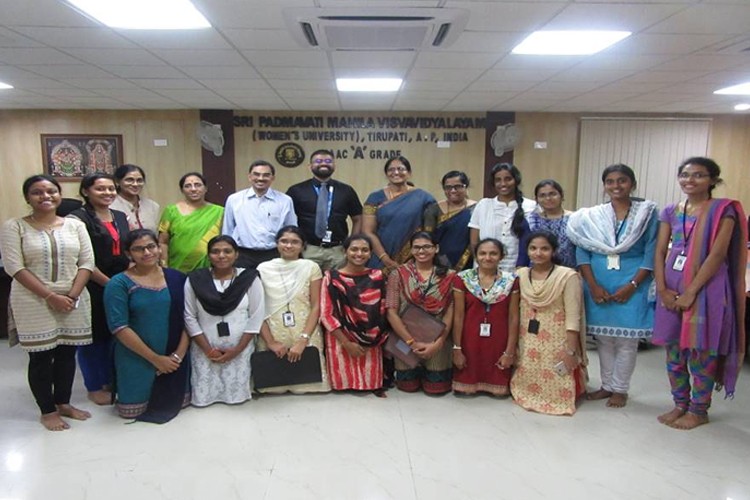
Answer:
(186, 226)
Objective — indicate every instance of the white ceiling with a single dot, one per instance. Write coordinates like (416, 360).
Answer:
(675, 59)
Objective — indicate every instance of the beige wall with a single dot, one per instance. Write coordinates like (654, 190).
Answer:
(428, 162)
(21, 150)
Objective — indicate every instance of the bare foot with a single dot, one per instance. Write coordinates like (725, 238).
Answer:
(596, 395)
(73, 412)
(617, 400)
(689, 421)
(53, 422)
(671, 416)
(102, 397)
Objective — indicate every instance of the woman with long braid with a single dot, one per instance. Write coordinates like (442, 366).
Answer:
(503, 217)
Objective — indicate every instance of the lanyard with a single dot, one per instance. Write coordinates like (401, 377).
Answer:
(686, 234)
(621, 227)
(423, 291)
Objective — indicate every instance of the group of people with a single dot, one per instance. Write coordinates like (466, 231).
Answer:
(493, 296)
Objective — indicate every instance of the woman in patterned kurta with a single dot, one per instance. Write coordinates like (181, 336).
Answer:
(353, 313)
(551, 368)
(50, 260)
(427, 285)
(292, 285)
(700, 281)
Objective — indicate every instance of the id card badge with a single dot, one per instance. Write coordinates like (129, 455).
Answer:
(222, 328)
(484, 329)
(533, 326)
(328, 237)
(288, 318)
(613, 262)
(679, 263)
(403, 346)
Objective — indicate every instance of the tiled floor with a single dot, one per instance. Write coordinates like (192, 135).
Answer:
(408, 446)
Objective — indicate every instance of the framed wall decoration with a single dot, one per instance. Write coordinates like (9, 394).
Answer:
(68, 157)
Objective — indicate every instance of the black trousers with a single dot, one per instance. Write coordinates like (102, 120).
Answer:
(51, 375)
(249, 258)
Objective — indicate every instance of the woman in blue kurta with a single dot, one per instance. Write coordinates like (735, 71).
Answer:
(393, 214)
(615, 255)
(145, 307)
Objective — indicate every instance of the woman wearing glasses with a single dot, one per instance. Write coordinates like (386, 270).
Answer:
(143, 213)
(700, 282)
(424, 283)
(393, 214)
(145, 311)
(188, 225)
(552, 217)
(448, 220)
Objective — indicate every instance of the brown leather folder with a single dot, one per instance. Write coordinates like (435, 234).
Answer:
(422, 326)
(272, 371)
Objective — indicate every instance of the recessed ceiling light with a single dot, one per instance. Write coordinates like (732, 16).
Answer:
(742, 107)
(368, 84)
(568, 43)
(144, 14)
(741, 89)
(5, 86)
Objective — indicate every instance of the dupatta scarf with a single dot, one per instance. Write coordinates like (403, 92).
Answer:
(595, 228)
(433, 295)
(358, 303)
(730, 346)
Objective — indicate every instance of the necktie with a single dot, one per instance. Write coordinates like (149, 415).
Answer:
(321, 211)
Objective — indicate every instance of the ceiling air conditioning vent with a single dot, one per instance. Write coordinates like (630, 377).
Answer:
(375, 28)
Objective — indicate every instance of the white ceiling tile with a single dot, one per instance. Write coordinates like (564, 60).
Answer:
(316, 105)
(35, 56)
(465, 107)
(129, 94)
(622, 61)
(68, 71)
(488, 85)
(361, 72)
(664, 76)
(577, 87)
(544, 95)
(596, 16)
(593, 75)
(99, 83)
(233, 94)
(485, 41)
(456, 60)
(627, 87)
(144, 71)
(293, 73)
(125, 57)
(261, 39)
(724, 78)
(508, 16)
(300, 84)
(248, 14)
(67, 92)
(176, 39)
(167, 83)
(235, 84)
(453, 85)
(707, 19)
(73, 37)
(654, 43)
(283, 58)
(420, 104)
(194, 57)
(520, 75)
(312, 95)
(260, 104)
(518, 61)
(36, 82)
(92, 102)
(372, 59)
(10, 38)
(42, 13)
(426, 95)
(216, 72)
(434, 74)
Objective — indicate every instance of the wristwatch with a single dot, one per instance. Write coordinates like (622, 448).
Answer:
(305, 336)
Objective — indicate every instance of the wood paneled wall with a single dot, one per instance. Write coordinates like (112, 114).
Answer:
(20, 147)
(20, 152)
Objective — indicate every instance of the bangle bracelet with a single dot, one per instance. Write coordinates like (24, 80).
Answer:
(50, 295)
(410, 342)
(509, 355)
(176, 357)
(384, 254)
(635, 285)
(456, 347)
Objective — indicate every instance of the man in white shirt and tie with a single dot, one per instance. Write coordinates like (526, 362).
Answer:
(254, 215)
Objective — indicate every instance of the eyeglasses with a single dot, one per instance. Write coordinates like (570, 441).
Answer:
(127, 180)
(419, 248)
(397, 170)
(553, 194)
(454, 187)
(151, 247)
(683, 176)
(319, 161)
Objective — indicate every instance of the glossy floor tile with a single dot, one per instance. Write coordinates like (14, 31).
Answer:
(408, 446)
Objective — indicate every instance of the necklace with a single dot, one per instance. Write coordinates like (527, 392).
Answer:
(45, 226)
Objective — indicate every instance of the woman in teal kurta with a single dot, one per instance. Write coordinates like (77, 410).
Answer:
(145, 308)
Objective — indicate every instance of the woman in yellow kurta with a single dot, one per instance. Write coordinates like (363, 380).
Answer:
(551, 367)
